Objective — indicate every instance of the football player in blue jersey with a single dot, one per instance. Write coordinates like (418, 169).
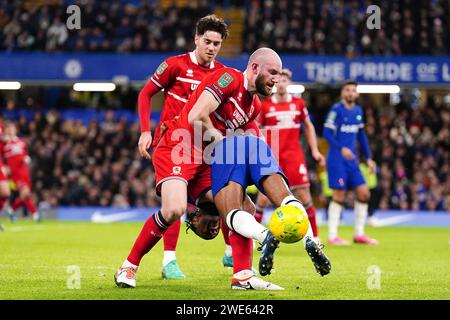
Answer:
(344, 127)
(237, 162)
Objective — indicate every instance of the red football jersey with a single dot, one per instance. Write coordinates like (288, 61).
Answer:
(179, 76)
(237, 107)
(14, 152)
(285, 117)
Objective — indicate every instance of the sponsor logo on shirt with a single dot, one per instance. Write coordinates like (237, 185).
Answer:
(252, 108)
(237, 115)
(350, 128)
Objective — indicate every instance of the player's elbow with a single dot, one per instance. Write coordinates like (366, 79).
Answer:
(195, 116)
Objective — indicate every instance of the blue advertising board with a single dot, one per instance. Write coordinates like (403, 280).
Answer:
(384, 217)
(413, 70)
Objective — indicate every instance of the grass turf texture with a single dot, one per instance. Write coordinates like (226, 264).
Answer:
(414, 263)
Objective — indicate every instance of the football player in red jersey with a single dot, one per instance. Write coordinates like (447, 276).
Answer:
(285, 114)
(225, 100)
(14, 150)
(4, 186)
(179, 76)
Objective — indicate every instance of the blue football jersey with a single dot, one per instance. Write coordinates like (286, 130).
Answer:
(345, 124)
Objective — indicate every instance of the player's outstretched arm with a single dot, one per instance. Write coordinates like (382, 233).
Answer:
(144, 110)
(205, 105)
(310, 134)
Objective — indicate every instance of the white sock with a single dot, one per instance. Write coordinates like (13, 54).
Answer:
(293, 201)
(168, 257)
(361, 210)
(334, 212)
(246, 225)
(127, 264)
(228, 250)
(243, 274)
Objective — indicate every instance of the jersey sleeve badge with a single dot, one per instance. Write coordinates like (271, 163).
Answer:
(225, 80)
(163, 66)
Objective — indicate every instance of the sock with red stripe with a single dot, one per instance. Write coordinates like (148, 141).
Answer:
(170, 242)
(242, 252)
(259, 215)
(29, 205)
(226, 232)
(226, 238)
(312, 220)
(16, 204)
(152, 231)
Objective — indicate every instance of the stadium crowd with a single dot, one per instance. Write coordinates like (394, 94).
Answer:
(339, 27)
(411, 147)
(106, 26)
(407, 27)
(98, 163)
(94, 165)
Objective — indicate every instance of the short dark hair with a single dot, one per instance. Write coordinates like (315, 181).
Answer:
(211, 23)
(349, 82)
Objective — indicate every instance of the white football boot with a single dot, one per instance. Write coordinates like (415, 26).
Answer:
(126, 277)
(253, 283)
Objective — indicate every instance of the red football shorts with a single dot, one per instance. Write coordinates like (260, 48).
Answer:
(175, 160)
(21, 176)
(295, 169)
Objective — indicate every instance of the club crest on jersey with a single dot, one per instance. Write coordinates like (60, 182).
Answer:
(225, 80)
(176, 170)
(163, 66)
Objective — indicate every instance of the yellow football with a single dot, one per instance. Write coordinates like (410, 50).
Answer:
(289, 224)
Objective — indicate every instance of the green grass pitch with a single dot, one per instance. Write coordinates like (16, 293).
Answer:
(414, 264)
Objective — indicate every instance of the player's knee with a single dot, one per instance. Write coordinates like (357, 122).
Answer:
(173, 212)
(364, 197)
(339, 196)
(305, 197)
